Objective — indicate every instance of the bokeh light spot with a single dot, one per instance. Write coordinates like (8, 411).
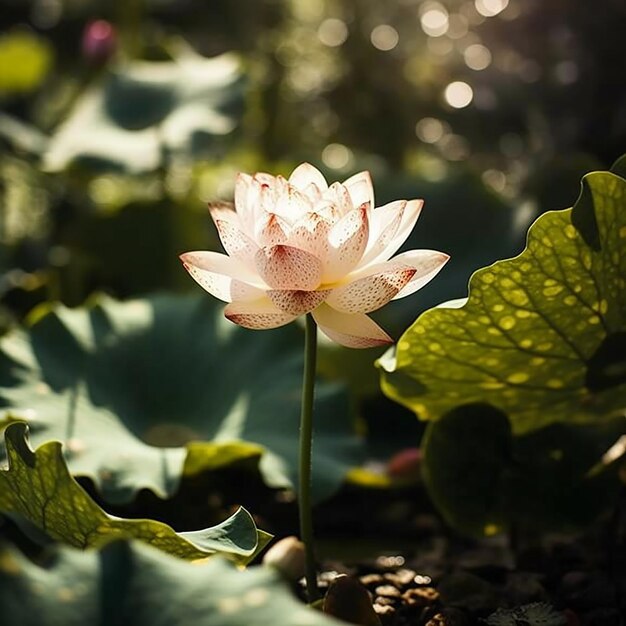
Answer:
(489, 8)
(337, 156)
(434, 21)
(477, 57)
(429, 130)
(458, 94)
(384, 37)
(332, 32)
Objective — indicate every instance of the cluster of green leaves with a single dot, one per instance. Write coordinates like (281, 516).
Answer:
(146, 392)
(38, 487)
(524, 384)
(131, 584)
(140, 113)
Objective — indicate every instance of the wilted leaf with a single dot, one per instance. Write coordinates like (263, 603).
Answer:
(542, 335)
(38, 487)
(144, 391)
(133, 585)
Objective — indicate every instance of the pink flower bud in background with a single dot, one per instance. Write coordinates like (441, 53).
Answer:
(405, 464)
(99, 42)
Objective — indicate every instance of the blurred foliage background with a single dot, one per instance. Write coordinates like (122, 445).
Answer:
(120, 120)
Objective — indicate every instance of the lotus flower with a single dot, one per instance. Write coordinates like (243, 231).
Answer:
(299, 245)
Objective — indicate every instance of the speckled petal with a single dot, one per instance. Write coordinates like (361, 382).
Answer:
(384, 224)
(224, 211)
(260, 314)
(427, 264)
(360, 189)
(351, 330)
(286, 267)
(310, 233)
(305, 174)
(410, 213)
(371, 292)
(297, 302)
(236, 243)
(271, 230)
(244, 201)
(292, 204)
(221, 275)
(347, 239)
(338, 196)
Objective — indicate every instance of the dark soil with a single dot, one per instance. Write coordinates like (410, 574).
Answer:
(558, 580)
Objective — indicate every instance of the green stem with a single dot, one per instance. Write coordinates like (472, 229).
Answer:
(306, 440)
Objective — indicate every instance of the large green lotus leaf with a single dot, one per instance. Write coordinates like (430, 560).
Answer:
(141, 112)
(144, 391)
(542, 336)
(133, 585)
(37, 486)
(483, 479)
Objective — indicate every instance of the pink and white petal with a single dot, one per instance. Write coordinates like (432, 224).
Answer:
(266, 179)
(224, 211)
(410, 214)
(305, 175)
(360, 189)
(286, 267)
(347, 242)
(327, 211)
(310, 233)
(245, 198)
(338, 196)
(262, 198)
(236, 243)
(384, 224)
(292, 204)
(370, 292)
(220, 275)
(242, 185)
(260, 314)
(313, 193)
(427, 264)
(271, 230)
(351, 330)
(297, 302)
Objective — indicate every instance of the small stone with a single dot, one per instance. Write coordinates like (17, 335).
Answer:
(437, 620)
(449, 617)
(384, 609)
(371, 580)
(348, 600)
(384, 600)
(387, 591)
(287, 556)
(400, 578)
(421, 596)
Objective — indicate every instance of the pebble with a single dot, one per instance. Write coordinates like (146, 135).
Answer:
(387, 591)
(401, 578)
(421, 596)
